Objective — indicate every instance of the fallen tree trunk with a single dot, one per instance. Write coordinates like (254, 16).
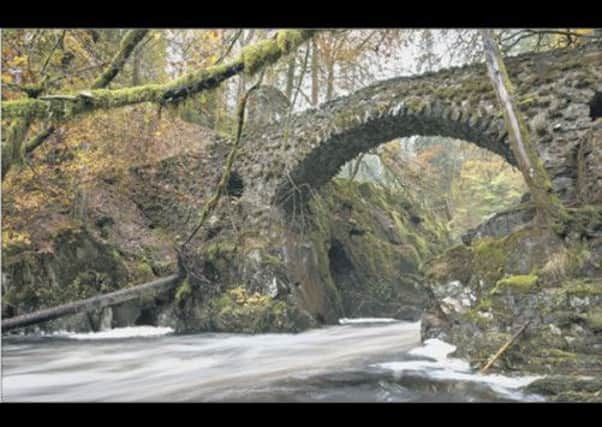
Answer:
(94, 303)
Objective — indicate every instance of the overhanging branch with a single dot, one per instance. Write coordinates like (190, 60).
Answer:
(252, 59)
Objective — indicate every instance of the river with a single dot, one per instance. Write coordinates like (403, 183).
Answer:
(366, 360)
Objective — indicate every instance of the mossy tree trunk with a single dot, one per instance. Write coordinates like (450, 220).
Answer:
(550, 210)
(12, 145)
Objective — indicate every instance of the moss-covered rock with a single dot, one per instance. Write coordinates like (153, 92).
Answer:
(372, 242)
(524, 283)
(530, 275)
(236, 310)
(359, 255)
(75, 267)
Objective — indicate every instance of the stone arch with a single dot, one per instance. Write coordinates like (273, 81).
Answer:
(303, 151)
(325, 160)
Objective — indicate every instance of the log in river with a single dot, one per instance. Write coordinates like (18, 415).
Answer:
(90, 304)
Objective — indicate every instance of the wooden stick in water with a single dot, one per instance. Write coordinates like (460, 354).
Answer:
(504, 348)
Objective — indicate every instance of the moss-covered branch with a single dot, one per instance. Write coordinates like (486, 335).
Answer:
(38, 139)
(128, 44)
(15, 149)
(252, 59)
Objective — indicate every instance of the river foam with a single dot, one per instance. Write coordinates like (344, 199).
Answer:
(360, 320)
(439, 366)
(117, 333)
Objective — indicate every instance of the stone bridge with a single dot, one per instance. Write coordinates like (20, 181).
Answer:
(283, 162)
(253, 241)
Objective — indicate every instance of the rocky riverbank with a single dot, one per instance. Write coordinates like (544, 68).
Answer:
(358, 253)
(512, 271)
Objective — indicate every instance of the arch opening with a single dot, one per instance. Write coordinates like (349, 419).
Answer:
(328, 156)
(394, 207)
(462, 184)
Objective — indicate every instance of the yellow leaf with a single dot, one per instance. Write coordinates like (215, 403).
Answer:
(18, 60)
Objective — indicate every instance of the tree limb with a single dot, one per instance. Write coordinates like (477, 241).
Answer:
(128, 44)
(229, 49)
(59, 41)
(38, 139)
(252, 59)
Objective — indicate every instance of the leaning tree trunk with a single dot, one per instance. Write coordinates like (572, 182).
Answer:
(550, 210)
(330, 79)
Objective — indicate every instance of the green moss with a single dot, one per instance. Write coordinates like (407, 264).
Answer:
(256, 56)
(485, 304)
(594, 321)
(455, 264)
(490, 259)
(287, 41)
(584, 287)
(145, 269)
(476, 317)
(214, 250)
(271, 260)
(519, 283)
(415, 104)
(240, 311)
(25, 108)
(183, 291)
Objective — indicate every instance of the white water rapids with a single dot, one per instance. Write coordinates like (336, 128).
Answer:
(359, 360)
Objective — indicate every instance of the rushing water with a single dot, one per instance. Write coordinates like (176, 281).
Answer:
(368, 361)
